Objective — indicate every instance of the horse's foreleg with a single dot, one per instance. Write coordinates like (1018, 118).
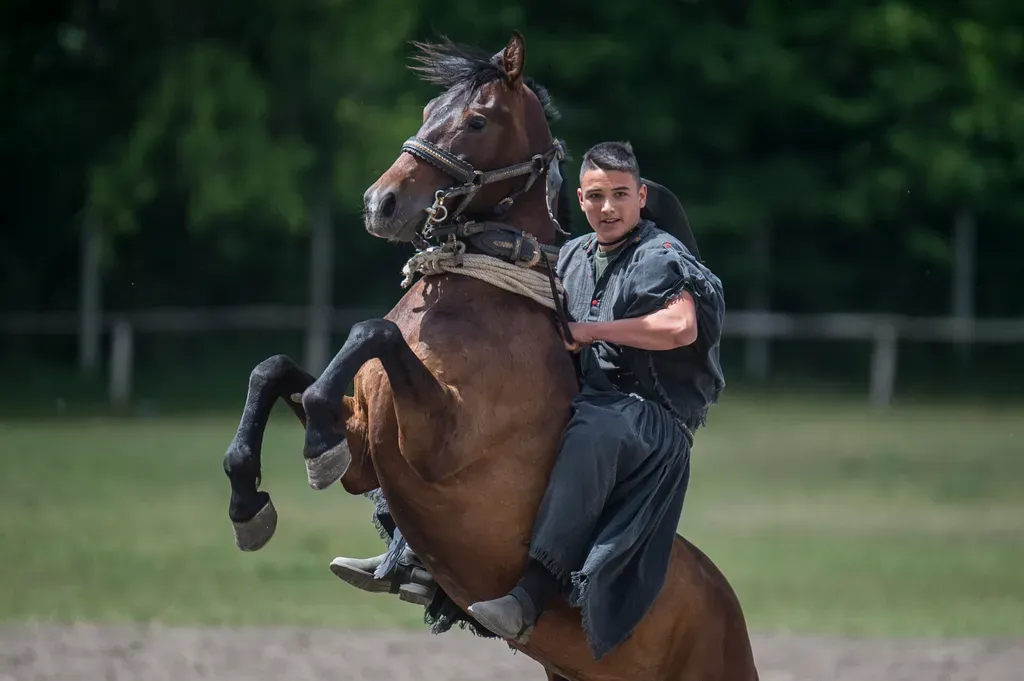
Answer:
(251, 512)
(422, 403)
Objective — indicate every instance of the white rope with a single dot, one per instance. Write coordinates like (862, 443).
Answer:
(451, 257)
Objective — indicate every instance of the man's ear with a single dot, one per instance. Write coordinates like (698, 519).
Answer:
(643, 195)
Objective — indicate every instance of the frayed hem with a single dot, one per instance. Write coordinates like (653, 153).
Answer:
(381, 530)
(552, 565)
(380, 507)
(443, 613)
(580, 589)
(579, 597)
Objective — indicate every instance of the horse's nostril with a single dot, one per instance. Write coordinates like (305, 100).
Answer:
(387, 205)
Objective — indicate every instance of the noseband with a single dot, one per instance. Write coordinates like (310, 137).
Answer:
(473, 180)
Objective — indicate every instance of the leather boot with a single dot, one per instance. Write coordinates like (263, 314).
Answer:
(504, 617)
(409, 579)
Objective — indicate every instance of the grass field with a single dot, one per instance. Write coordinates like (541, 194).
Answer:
(826, 517)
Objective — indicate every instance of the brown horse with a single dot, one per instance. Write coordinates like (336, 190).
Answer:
(463, 389)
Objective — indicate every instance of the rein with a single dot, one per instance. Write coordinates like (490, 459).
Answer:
(492, 237)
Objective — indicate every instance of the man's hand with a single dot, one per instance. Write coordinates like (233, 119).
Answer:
(580, 336)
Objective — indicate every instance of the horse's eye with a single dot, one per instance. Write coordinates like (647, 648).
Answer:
(476, 122)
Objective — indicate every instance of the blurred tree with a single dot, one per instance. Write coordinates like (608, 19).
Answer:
(926, 101)
(204, 136)
(247, 119)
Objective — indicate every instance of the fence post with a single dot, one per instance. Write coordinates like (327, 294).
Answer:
(121, 359)
(965, 237)
(883, 365)
(321, 284)
(756, 351)
(90, 311)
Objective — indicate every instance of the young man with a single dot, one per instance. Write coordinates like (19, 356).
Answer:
(647, 323)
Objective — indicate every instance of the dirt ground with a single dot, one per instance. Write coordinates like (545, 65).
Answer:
(92, 653)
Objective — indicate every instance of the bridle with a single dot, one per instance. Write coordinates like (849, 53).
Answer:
(441, 223)
(474, 180)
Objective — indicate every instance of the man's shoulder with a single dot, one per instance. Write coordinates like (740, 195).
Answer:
(655, 240)
(659, 251)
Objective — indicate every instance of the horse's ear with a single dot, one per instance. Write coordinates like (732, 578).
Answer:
(513, 58)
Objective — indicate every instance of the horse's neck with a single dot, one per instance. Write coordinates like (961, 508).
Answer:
(530, 214)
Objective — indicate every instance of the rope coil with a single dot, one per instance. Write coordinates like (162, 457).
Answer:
(452, 258)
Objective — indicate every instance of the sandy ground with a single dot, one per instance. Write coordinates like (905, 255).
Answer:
(91, 653)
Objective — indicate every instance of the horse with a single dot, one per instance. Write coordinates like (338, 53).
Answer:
(462, 390)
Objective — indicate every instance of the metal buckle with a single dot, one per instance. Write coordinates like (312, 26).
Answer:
(437, 207)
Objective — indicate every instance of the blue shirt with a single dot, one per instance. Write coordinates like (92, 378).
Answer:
(651, 269)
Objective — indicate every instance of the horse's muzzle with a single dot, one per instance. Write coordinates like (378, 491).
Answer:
(388, 215)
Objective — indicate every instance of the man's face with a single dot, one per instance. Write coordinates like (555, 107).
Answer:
(611, 200)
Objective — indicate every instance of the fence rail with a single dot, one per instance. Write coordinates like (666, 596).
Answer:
(884, 332)
(183, 320)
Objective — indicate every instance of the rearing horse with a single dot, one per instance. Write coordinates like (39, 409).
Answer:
(463, 389)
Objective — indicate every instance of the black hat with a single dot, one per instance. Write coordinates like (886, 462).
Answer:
(665, 210)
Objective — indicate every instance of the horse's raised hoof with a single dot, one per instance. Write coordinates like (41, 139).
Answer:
(253, 534)
(327, 469)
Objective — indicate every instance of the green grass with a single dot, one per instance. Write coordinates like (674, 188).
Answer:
(825, 516)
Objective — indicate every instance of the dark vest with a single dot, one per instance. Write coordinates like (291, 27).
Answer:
(651, 269)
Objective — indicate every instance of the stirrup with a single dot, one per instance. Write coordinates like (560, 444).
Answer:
(417, 593)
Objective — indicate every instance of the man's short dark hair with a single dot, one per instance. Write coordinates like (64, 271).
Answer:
(611, 156)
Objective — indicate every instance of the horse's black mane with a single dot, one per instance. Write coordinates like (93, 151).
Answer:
(450, 65)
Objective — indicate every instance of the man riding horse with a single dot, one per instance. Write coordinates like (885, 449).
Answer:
(647, 319)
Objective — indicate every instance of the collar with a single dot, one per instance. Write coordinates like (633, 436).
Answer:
(633, 236)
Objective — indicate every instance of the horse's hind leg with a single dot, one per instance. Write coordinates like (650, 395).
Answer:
(422, 403)
(251, 512)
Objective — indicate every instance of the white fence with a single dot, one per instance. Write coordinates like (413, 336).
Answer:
(884, 332)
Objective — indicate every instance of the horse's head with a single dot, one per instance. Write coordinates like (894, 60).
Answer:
(484, 151)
